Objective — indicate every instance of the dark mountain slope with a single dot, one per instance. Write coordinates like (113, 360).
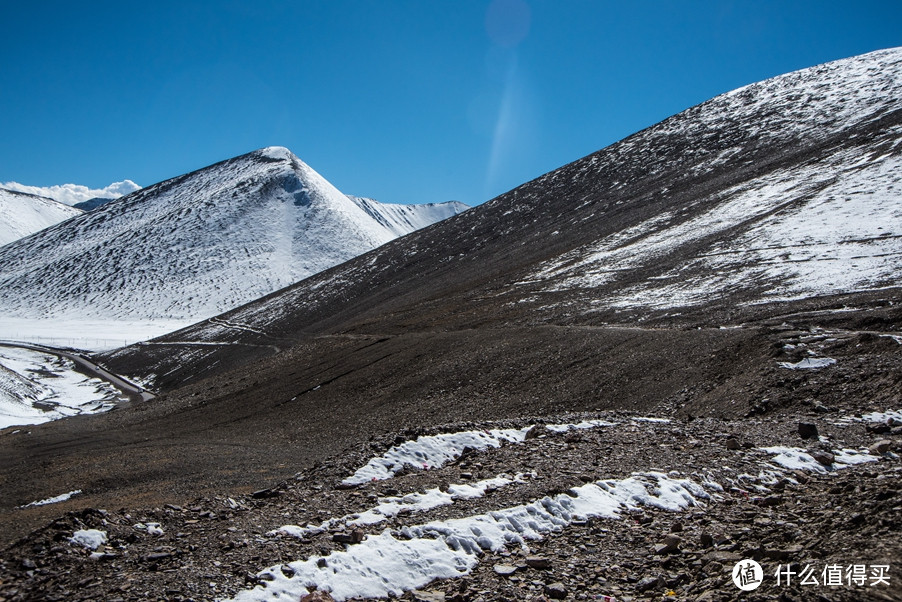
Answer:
(780, 192)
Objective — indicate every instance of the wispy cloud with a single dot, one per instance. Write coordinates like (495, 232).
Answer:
(71, 194)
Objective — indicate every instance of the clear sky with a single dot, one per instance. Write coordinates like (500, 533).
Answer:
(402, 101)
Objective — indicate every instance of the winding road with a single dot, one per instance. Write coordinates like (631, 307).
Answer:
(133, 391)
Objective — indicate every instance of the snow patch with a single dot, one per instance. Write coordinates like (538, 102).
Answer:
(89, 538)
(795, 458)
(809, 363)
(53, 500)
(412, 502)
(434, 451)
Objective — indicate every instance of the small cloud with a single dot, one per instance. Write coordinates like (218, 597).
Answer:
(70, 194)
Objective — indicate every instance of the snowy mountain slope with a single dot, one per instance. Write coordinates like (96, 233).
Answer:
(22, 214)
(193, 246)
(783, 190)
(403, 219)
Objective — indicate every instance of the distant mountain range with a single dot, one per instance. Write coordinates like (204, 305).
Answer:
(199, 244)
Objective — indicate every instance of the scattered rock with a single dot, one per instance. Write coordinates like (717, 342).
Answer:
(317, 596)
(428, 596)
(556, 591)
(881, 447)
(669, 545)
(538, 562)
(823, 457)
(732, 443)
(354, 537)
(808, 430)
(647, 584)
(505, 570)
(535, 431)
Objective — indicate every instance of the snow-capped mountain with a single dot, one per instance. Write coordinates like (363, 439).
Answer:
(22, 214)
(403, 219)
(782, 191)
(196, 245)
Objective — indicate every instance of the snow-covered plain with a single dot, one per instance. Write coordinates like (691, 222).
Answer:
(37, 387)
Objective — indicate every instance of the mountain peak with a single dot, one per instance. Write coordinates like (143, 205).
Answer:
(193, 246)
(275, 153)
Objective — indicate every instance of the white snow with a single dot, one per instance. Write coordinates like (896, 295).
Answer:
(795, 458)
(53, 500)
(403, 219)
(89, 538)
(412, 502)
(84, 333)
(883, 417)
(150, 528)
(23, 214)
(391, 563)
(37, 387)
(809, 363)
(434, 451)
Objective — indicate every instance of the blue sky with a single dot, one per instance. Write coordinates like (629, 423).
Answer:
(412, 101)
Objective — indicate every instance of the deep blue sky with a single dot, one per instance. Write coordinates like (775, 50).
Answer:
(408, 101)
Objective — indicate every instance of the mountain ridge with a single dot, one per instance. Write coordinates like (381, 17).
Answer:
(22, 214)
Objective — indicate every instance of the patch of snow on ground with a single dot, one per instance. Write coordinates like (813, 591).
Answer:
(883, 417)
(795, 458)
(89, 538)
(53, 500)
(384, 565)
(809, 363)
(412, 502)
(434, 451)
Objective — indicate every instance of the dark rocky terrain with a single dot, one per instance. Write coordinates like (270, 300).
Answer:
(670, 274)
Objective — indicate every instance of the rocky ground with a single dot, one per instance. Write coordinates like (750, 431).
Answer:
(801, 520)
